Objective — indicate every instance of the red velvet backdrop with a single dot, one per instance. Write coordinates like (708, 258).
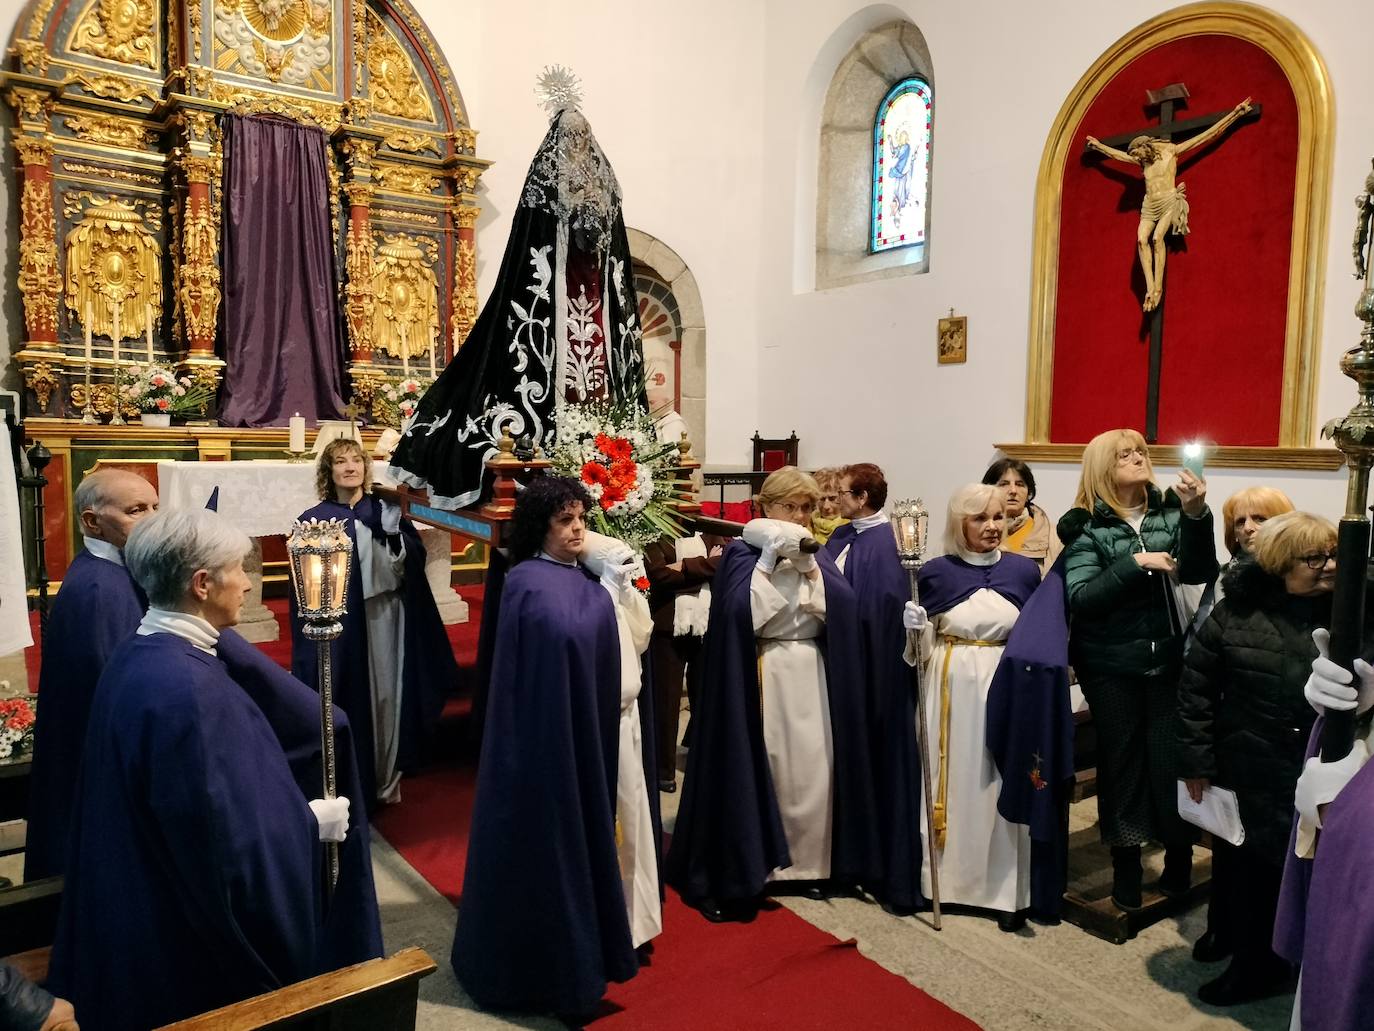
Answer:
(1225, 288)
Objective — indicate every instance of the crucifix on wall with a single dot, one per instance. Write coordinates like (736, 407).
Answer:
(1164, 209)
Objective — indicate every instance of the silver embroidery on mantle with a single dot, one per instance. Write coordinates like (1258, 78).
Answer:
(573, 180)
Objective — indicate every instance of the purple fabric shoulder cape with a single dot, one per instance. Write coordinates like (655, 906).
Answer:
(97, 609)
(949, 580)
(542, 924)
(1325, 917)
(881, 589)
(729, 836)
(430, 670)
(1030, 732)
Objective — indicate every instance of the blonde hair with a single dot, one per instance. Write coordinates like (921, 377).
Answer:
(784, 483)
(1098, 480)
(1262, 501)
(324, 468)
(1287, 537)
(827, 477)
(969, 500)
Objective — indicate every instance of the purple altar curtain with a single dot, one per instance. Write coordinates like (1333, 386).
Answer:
(283, 344)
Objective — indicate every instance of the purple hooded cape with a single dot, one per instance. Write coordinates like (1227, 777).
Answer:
(430, 671)
(881, 589)
(1030, 732)
(1323, 921)
(542, 924)
(97, 609)
(948, 580)
(195, 871)
(729, 836)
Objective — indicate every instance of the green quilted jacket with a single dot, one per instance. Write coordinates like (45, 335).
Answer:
(1125, 619)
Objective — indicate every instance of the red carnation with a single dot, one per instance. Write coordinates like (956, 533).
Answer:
(163, 403)
(642, 583)
(594, 472)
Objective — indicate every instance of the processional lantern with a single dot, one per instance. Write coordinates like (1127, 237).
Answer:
(321, 553)
(910, 522)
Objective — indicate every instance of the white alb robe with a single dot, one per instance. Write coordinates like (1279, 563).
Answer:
(986, 859)
(789, 614)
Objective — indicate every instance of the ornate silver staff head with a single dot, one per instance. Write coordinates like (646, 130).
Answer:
(320, 550)
(909, 524)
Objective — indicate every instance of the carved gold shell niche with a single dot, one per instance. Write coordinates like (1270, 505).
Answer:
(405, 320)
(114, 271)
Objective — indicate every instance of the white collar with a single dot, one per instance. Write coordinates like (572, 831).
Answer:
(868, 522)
(556, 561)
(193, 629)
(985, 558)
(103, 549)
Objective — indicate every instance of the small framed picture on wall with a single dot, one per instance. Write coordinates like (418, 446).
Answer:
(952, 347)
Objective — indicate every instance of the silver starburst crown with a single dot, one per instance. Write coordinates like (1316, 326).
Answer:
(558, 88)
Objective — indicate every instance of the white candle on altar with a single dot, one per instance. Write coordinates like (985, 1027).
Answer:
(432, 348)
(88, 334)
(150, 336)
(114, 337)
(296, 434)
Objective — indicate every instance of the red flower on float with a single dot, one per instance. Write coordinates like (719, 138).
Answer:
(642, 583)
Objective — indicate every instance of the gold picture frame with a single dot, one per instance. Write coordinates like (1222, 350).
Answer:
(951, 340)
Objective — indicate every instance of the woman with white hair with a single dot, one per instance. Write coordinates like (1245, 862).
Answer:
(970, 598)
(194, 876)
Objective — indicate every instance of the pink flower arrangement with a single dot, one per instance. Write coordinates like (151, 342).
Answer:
(17, 718)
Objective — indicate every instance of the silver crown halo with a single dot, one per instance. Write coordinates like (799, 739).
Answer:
(558, 88)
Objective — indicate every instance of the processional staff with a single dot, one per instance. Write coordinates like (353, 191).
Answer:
(909, 522)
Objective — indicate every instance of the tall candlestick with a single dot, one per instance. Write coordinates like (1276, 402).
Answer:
(405, 349)
(150, 336)
(114, 337)
(88, 334)
(118, 418)
(88, 412)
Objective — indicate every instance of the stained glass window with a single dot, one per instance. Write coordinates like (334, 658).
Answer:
(901, 166)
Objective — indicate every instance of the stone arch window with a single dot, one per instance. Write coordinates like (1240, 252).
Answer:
(901, 167)
(872, 223)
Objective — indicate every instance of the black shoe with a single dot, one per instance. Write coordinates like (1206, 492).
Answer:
(814, 892)
(667, 785)
(1232, 988)
(1178, 872)
(1010, 922)
(731, 910)
(1126, 877)
(1211, 948)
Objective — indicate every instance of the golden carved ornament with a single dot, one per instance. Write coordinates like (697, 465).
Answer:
(465, 215)
(359, 19)
(40, 279)
(78, 168)
(200, 126)
(204, 371)
(200, 169)
(115, 87)
(114, 265)
(359, 153)
(114, 132)
(199, 80)
(118, 30)
(359, 110)
(43, 380)
(405, 321)
(242, 101)
(359, 299)
(404, 179)
(39, 19)
(198, 290)
(102, 398)
(32, 54)
(193, 11)
(421, 32)
(74, 202)
(464, 140)
(464, 291)
(393, 82)
(465, 178)
(368, 381)
(358, 194)
(30, 105)
(396, 215)
(411, 142)
(33, 151)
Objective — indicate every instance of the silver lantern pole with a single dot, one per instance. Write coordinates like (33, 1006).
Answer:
(909, 523)
(321, 552)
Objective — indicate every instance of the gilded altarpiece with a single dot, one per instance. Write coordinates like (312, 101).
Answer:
(118, 111)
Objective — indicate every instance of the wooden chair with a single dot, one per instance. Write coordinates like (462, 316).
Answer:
(772, 453)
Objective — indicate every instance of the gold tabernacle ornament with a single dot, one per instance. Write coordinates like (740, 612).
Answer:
(321, 553)
(910, 522)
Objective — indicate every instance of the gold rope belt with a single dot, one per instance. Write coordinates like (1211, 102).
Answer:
(942, 787)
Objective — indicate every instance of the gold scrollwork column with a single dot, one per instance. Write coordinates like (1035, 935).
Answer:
(198, 276)
(464, 270)
(359, 300)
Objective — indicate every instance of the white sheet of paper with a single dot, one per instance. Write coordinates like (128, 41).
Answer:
(1218, 812)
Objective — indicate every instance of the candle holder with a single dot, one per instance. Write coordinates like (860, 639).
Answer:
(298, 456)
(88, 412)
(117, 419)
(320, 551)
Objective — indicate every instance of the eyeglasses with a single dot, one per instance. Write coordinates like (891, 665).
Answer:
(803, 509)
(1318, 559)
(1125, 454)
(838, 492)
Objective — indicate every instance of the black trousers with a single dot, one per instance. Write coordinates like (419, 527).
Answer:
(1137, 769)
(671, 657)
(1245, 894)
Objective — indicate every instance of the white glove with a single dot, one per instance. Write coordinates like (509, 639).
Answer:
(1321, 782)
(332, 816)
(773, 543)
(914, 617)
(1329, 686)
(775, 538)
(803, 563)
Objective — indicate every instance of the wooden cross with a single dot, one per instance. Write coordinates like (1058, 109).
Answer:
(1168, 129)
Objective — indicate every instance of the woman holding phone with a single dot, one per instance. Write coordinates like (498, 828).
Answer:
(1129, 544)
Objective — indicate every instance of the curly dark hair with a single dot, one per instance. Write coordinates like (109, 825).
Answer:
(535, 508)
(324, 467)
(999, 468)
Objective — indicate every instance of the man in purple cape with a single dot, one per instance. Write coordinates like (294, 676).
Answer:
(865, 549)
(97, 608)
(542, 922)
(1030, 734)
(729, 835)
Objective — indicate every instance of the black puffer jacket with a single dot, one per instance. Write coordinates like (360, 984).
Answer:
(1121, 613)
(1244, 723)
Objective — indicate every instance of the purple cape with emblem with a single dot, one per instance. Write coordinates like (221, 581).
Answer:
(542, 924)
(195, 873)
(97, 609)
(729, 834)
(430, 672)
(1324, 920)
(881, 589)
(1030, 732)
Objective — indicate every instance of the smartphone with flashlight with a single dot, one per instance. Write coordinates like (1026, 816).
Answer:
(1193, 457)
